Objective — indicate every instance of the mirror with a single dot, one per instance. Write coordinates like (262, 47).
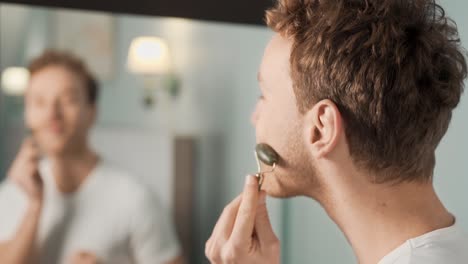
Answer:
(193, 144)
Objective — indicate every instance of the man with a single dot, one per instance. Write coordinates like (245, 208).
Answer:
(356, 96)
(74, 206)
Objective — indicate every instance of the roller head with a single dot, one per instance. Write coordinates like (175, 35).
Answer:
(266, 154)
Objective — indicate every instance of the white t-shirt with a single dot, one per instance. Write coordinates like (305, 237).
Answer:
(111, 215)
(443, 246)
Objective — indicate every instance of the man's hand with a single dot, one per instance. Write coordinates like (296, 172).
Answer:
(83, 257)
(25, 171)
(243, 233)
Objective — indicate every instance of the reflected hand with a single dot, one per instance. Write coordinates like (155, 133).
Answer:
(243, 233)
(25, 171)
(83, 257)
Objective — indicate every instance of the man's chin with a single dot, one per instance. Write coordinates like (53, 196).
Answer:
(54, 150)
(280, 194)
(277, 190)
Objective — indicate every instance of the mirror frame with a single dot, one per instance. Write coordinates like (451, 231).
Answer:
(231, 11)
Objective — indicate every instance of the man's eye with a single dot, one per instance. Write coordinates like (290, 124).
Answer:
(261, 97)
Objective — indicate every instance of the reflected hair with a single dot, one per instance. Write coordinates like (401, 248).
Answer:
(71, 63)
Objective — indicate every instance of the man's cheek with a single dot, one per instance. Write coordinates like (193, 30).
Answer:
(33, 122)
(262, 129)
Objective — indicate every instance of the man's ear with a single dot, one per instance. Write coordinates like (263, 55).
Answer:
(323, 128)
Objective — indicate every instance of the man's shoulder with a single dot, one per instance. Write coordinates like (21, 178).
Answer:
(435, 254)
(447, 245)
(136, 198)
(11, 192)
(13, 203)
(123, 183)
(450, 247)
(115, 176)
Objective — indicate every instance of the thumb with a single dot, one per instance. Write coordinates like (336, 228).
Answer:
(263, 226)
(84, 257)
(245, 219)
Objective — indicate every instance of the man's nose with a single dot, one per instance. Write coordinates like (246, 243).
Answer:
(54, 110)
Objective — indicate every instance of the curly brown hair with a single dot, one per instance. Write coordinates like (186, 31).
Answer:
(394, 68)
(71, 63)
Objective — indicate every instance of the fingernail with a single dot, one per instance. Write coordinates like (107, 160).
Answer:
(250, 180)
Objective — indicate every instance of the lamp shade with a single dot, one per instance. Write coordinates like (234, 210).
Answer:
(149, 55)
(15, 80)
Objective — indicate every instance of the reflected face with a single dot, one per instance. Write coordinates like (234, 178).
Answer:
(279, 123)
(58, 111)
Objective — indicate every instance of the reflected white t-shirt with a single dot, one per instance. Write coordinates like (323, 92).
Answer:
(443, 246)
(111, 215)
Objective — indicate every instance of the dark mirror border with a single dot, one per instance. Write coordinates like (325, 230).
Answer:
(232, 11)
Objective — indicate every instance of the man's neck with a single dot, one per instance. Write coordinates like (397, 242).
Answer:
(377, 218)
(71, 169)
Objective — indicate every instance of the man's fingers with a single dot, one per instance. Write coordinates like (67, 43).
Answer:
(28, 144)
(84, 257)
(263, 226)
(245, 220)
(32, 154)
(29, 150)
(222, 230)
(226, 221)
(37, 179)
(29, 179)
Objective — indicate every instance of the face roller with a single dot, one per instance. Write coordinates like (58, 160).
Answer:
(268, 156)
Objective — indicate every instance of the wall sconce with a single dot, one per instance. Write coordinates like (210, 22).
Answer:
(15, 81)
(149, 57)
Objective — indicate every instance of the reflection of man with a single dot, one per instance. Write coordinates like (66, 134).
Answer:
(356, 96)
(74, 207)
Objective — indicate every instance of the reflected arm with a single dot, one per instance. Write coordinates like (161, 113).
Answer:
(22, 248)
